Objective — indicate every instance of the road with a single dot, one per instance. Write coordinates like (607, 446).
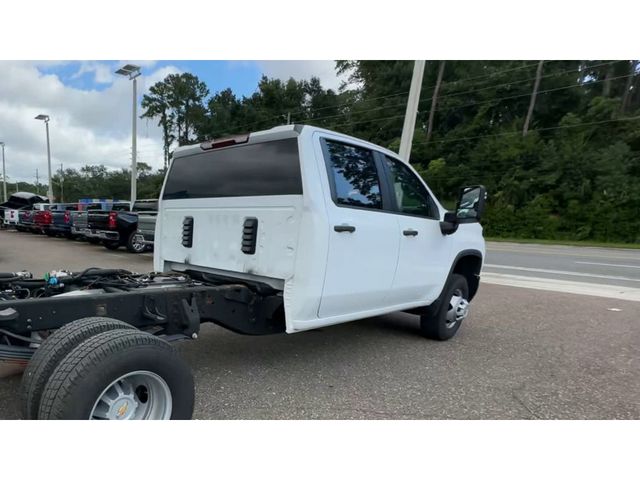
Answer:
(523, 353)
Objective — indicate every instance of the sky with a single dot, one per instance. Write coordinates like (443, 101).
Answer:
(90, 108)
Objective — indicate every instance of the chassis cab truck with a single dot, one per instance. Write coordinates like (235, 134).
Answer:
(282, 230)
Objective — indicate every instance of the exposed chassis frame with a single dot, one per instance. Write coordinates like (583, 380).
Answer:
(174, 312)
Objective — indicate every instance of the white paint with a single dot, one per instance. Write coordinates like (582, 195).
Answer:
(609, 264)
(562, 272)
(562, 286)
(326, 277)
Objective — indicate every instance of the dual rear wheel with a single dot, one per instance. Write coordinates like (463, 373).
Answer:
(103, 369)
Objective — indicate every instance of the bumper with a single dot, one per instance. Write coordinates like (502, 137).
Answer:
(106, 235)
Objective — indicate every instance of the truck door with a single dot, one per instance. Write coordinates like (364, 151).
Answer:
(423, 261)
(363, 240)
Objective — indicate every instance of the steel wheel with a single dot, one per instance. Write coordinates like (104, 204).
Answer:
(140, 395)
(458, 309)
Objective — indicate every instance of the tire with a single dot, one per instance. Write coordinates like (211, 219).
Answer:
(50, 234)
(89, 372)
(53, 350)
(93, 240)
(111, 245)
(133, 246)
(443, 322)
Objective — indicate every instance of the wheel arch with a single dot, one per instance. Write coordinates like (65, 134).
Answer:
(468, 263)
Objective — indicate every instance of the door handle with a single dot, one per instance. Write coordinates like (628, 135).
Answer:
(344, 228)
(410, 233)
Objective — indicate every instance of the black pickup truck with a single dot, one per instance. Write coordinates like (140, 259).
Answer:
(118, 226)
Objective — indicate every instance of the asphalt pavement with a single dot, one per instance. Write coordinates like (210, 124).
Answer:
(522, 354)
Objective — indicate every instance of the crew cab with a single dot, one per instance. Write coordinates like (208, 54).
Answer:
(283, 230)
(118, 227)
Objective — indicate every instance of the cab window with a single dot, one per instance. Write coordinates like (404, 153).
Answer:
(412, 198)
(354, 175)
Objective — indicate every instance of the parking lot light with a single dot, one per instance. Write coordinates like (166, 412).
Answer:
(132, 72)
(4, 176)
(45, 118)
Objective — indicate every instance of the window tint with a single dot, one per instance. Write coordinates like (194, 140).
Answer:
(411, 196)
(269, 168)
(355, 176)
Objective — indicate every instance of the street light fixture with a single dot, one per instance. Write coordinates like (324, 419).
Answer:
(4, 175)
(132, 72)
(46, 122)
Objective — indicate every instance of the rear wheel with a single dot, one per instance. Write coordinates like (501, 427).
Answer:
(52, 351)
(120, 375)
(50, 234)
(111, 244)
(93, 240)
(134, 243)
(443, 322)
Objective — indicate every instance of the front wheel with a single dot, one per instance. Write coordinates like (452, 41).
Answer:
(443, 322)
(120, 375)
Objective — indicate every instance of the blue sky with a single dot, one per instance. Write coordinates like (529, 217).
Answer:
(90, 106)
(241, 76)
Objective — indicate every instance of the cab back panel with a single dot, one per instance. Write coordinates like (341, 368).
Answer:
(234, 208)
(219, 230)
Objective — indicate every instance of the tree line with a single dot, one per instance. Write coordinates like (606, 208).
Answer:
(556, 143)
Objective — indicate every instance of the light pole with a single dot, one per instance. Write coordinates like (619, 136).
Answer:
(132, 72)
(61, 184)
(4, 175)
(46, 123)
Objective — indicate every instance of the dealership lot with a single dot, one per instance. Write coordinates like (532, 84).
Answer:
(523, 353)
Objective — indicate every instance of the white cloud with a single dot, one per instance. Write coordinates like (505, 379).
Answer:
(303, 70)
(86, 127)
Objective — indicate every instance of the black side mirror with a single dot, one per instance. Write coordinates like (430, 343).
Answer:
(471, 202)
(469, 209)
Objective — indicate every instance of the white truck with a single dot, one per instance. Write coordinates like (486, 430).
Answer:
(282, 230)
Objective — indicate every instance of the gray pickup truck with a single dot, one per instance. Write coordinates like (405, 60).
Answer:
(147, 228)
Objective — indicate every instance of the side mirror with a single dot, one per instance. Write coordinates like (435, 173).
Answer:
(470, 206)
(469, 209)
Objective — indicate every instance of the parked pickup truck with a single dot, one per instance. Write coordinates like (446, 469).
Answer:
(26, 218)
(147, 224)
(118, 227)
(56, 220)
(79, 222)
(283, 230)
(9, 210)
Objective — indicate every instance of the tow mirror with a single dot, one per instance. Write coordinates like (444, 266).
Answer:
(469, 209)
(470, 206)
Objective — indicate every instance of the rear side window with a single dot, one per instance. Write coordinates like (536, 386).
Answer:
(269, 168)
(354, 175)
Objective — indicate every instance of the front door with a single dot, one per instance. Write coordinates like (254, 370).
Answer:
(363, 239)
(423, 261)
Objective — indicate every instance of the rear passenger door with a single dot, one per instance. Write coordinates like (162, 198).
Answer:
(423, 260)
(363, 239)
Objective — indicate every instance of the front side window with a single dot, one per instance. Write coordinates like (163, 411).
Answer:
(354, 174)
(412, 197)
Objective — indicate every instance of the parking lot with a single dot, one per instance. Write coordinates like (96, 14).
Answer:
(523, 354)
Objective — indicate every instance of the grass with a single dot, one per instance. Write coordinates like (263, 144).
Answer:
(574, 243)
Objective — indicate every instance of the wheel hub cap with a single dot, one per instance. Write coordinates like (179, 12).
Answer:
(458, 309)
(141, 395)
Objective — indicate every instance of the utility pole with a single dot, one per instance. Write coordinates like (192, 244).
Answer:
(61, 184)
(288, 118)
(37, 183)
(4, 175)
(434, 100)
(412, 110)
(532, 103)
